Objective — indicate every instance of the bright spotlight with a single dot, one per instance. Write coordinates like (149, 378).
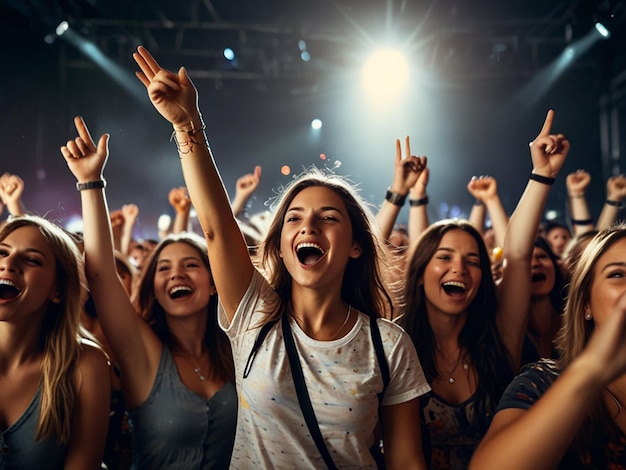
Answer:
(603, 30)
(385, 75)
(305, 56)
(229, 54)
(316, 124)
(62, 28)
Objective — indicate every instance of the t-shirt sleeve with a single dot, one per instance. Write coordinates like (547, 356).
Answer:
(406, 377)
(529, 386)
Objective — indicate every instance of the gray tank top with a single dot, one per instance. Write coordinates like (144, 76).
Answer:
(175, 428)
(18, 449)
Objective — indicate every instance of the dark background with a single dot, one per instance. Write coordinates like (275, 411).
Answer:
(485, 86)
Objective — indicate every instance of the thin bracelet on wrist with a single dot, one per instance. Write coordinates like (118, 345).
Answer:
(614, 203)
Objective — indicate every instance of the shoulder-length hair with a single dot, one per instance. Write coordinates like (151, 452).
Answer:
(216, 341)
(61, 334)
(479, 336)
(576, 330)
(362, 286)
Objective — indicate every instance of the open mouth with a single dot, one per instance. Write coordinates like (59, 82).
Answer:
(454, 288)
(8, 290)
(309, 253)
(178, 292)
(538, 277)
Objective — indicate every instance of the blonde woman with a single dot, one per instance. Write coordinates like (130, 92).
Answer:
(54, 392)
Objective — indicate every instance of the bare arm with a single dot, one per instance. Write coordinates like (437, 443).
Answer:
(130, 212)
(135, 346)
(548, 154)
(90, 416)
(405, 174)
(538, 438)
(418, 201)
(402, 436)
(176, 99)
(246, 186)
(615, 193)
(485, 189)
(180, 201)
(577, 183)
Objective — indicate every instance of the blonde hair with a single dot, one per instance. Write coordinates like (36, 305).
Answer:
(576, 330)
(61, 334)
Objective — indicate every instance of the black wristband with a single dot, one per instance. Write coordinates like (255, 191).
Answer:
(610, 202)
(98, 184)
(418, 202)
(478, 202)
(542, 179)
(582, 221)
(395, 198)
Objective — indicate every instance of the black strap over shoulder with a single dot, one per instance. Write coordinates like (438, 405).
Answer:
(380, 355)
(257, 344)
(303, 395)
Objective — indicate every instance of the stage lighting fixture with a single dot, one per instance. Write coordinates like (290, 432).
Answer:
(316, 124)
(229, 54)
(62, 28)
(603, 30)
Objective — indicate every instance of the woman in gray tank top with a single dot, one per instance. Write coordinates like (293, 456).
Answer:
(176, 367)
(54, 384)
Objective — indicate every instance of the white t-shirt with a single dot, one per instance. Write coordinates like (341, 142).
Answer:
(342, 377)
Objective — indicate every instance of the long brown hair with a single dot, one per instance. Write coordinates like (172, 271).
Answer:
(362, 286)
(216, 341)
(61, 334)
(479, 336)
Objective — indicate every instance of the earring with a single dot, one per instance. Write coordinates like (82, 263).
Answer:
(588, 316)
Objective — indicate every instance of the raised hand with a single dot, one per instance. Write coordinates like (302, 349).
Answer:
(179, 200)
(11, 189)
(577, 183)
(248, 183)
(548, 151)
(117, 220)
(406, 170)
(173, 95)
(131, 212)
(616, 188)
(483, 187)
(85, 160)
(607, 345)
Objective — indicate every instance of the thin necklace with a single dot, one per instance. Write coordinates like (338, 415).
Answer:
(451, 379)
(336, 335)
(196, 368)
(616, 401)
